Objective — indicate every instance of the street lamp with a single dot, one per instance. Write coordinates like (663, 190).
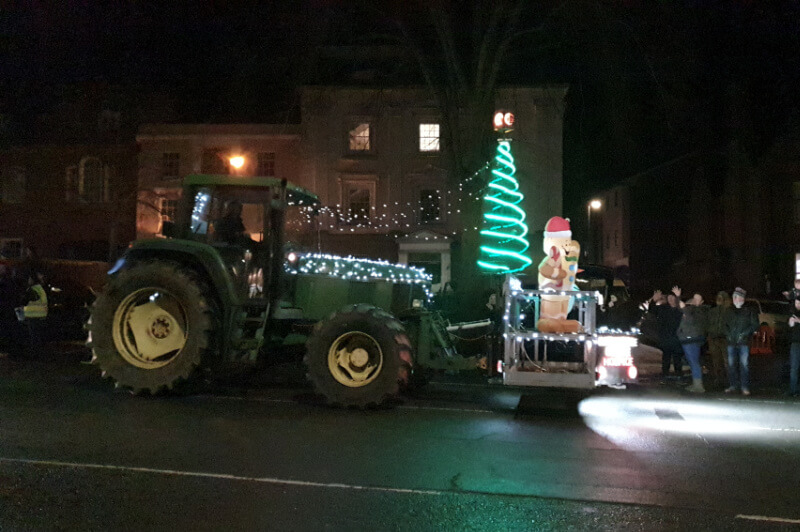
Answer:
(237, 162)
(593, 205)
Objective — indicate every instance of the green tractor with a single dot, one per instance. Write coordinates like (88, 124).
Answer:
(223, 288)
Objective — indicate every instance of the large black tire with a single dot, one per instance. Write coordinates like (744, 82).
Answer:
(150, 327)
(359, 357)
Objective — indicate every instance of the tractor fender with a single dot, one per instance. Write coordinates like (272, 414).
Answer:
(202, 258)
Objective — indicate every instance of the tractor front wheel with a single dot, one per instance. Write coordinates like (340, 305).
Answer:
(150, 327)
(359, 357)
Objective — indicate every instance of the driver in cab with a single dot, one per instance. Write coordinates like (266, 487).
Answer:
(230, 228)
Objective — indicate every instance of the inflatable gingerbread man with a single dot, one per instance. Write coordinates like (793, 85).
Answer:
(557, 272)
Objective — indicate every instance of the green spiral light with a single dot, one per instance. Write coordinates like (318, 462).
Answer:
(504, 225)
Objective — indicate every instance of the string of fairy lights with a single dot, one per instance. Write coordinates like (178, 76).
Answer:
(387, 217)
(503, 236)
(358, 269)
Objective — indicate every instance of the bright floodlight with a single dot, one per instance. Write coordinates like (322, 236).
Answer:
(595, 204)
(237, 161)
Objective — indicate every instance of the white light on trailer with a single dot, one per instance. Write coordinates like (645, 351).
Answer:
(632, 372)
(499, 366)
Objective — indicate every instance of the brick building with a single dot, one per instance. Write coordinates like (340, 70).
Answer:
(68, 201)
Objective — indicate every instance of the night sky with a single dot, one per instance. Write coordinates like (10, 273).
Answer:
(650, 80)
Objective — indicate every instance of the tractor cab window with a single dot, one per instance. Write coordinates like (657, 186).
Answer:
(232, 215)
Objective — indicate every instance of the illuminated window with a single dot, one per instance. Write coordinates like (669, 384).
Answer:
(266, 164)
(429, 140)
(359, 138)
(168, 209)
(170, 165)
(429, 206)
(93, 180)
(12, 185)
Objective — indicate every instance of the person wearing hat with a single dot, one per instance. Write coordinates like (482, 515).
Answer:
(741, 323)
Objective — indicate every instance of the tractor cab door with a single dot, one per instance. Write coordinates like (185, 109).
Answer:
(237, 222)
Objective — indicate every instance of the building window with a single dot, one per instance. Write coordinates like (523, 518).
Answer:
(170, 165)
(796, 197)
(71, 183)
(358, 205)
(358, 201)
(616, 198)
(92, 180)
(429, 206)
(266, 164)
(214, 162)
(616, 238)
(429, 140)
(168, 209)
(608, 241)
(12, 187)
(108, 121)
(359, 138)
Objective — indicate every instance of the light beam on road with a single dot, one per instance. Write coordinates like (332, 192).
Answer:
(631, 422)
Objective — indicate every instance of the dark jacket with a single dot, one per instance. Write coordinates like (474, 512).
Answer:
(718, 317)
(694, 324)
(740, 325)
(668, 319)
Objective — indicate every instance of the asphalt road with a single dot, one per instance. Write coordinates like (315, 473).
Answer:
(75, 454)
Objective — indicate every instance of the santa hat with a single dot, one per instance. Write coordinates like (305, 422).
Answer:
(557, 227)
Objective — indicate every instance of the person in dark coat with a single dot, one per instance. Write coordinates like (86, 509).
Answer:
(692, 334)
(794, 350)
(717, 342)
(668, 316)
(230, 228)
(739, 328)
(8, 318)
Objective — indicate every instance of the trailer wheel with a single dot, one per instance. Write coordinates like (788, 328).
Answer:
(359, 357)
(150, 327)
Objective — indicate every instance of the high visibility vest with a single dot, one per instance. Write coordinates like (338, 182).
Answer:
(38, 307)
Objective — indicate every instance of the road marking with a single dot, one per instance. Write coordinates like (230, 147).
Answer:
(221, 476)
(766, 518)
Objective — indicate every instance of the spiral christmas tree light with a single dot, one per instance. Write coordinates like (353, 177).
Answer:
(503, 236)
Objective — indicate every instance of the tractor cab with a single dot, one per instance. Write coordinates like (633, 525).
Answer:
(243, 219)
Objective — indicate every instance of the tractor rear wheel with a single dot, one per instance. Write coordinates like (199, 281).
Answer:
(150, 327)
(359, 357)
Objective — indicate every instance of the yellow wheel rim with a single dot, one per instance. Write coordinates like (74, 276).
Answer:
(150, 328)
(355, 359)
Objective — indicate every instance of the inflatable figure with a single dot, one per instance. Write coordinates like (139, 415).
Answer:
(557, 272)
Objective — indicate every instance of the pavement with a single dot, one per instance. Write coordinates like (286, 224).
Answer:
(769, 374)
